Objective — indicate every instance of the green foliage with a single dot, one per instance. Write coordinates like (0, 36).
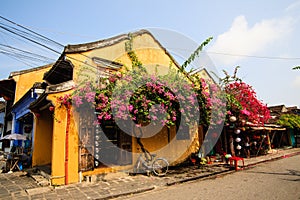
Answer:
(289, 120)
(228, 78)
(195, 53)
(91, 84)
(132, 55)
(297, 67)
(232, 102)
(197, 83)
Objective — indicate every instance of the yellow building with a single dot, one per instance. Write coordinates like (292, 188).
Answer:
(66, 139)
(21, 88)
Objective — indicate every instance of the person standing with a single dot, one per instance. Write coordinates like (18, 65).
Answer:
(231, 145)
(247, 147)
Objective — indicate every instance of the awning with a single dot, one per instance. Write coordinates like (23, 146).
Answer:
(40, 104)
(7, 88)
(14, 136)
(269, 128)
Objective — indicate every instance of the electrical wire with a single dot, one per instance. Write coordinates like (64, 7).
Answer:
(21, 41)
(240, 55)
(10, 49)
(21, 60)
(254, 56)
(31, 37)
(38, 40)
(32, 31)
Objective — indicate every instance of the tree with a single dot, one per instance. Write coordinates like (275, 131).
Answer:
(242, 101)
(289, 120)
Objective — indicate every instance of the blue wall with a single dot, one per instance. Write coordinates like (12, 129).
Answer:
(2, 118)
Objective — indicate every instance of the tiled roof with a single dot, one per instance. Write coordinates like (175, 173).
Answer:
(277, 111)
(16, 73)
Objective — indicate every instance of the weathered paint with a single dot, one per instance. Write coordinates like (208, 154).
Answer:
(59, 144)
(151, 55)
(42, 152)
(25, 79)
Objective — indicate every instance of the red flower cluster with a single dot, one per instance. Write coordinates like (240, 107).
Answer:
(253, 110)
(65, 100)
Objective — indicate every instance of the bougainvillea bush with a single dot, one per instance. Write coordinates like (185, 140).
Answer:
(242, 102)
(168, 99)
(165, 99)
(145, 98)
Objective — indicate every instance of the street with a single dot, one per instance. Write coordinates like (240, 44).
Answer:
(279, 179)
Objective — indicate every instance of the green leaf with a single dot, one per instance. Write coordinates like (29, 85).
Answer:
(297, 67)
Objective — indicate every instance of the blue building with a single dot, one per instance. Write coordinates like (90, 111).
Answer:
(23, 119)
(2, 114)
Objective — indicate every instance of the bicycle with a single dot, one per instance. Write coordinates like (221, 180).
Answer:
(148, 163)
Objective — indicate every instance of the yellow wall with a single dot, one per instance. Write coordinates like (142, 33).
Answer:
(59, 144)
(174, 150)
(42, 139)
(150, 54)
(25, 81)
(147, 50)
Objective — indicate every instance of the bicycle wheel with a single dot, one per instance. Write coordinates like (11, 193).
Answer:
(160, 166)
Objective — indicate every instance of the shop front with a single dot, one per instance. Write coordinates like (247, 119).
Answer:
(22, 124)
(250, 141)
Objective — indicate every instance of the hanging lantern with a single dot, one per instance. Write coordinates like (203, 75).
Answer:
(237, 131)
(232, 119)
(243, 122)
(51, 108)
(238, 147)
(237, 139)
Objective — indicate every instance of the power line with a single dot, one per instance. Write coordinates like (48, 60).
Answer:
(254, 56)
(24, 43)
(20, 60)
(32, 31)
(24, 33)
(18, 55)
(240, 55)
(40, 40)
(11, 49)
(32, 38)
(27, 35)
(29, 39)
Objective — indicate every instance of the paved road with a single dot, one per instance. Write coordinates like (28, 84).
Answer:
(279, 179)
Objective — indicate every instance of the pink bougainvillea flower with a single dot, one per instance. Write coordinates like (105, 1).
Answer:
(245, 112)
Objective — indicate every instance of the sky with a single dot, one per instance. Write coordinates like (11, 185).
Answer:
(262, 37)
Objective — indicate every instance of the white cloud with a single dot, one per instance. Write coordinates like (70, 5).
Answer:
(241, 39)
(293, 6)
(296, 82)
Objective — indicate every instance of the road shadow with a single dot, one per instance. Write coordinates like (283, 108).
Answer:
(290, 172)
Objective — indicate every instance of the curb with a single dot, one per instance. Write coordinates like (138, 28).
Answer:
(39, 190)
(229, 171)
(273, 159)
(142, 190)
(197, 177)
(212, 175)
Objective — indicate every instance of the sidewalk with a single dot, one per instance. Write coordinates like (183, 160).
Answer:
(19, 185)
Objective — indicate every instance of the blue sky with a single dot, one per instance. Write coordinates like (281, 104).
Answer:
(260, 36)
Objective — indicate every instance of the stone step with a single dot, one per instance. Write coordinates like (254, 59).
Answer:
(41, 178)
